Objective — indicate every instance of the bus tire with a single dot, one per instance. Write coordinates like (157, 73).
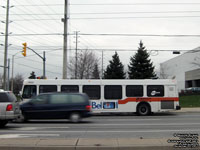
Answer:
(143, 109)
(75, 117)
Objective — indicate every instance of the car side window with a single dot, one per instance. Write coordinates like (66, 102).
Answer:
(59, 99)
(77, 99)
(40, 99)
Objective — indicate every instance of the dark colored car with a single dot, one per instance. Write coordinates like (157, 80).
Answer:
(72, 106)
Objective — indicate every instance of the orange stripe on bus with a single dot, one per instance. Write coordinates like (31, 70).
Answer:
(147, 99)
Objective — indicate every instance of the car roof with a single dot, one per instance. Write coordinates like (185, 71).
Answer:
(2, 91)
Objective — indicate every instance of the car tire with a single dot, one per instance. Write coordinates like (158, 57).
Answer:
(20, 119)
(3, 123)
(143, 110)
(75, 117)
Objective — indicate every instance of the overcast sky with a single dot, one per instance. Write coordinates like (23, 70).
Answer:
(129, 18)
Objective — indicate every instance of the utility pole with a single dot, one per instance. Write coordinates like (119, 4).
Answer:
(44, 68)
(6, 47)
(65, 39)
(8, 83)
(76, 65)
(102, 65)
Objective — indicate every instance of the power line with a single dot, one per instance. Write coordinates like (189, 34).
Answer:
(96, 18)
(117, 49)
(112, 4)
(99, 13)
(112, 34)
(34, 34)
(138, 17)
(37, 68)
(157, 35)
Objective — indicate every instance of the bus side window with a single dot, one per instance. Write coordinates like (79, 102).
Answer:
(155, 90)
(47, 88)
(134, 90)
(29, 91)
(70, 88)
(113, 91)
(93, 91)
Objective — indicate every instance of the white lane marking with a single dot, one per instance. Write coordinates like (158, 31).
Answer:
(105, 131)
(143, 124)
(36, 128)
(27, 128)
(131, 119)
(130, 124)
(101, 125)
(7, 136)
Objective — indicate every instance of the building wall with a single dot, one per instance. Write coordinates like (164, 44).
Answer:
(192, 78)
(177, 67)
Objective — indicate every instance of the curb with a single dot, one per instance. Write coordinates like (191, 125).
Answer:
(90, 144)
(90, 148)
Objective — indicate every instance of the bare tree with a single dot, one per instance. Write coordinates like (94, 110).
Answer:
(85, 65)
(17, 83)
(163, 74)
(96, 72)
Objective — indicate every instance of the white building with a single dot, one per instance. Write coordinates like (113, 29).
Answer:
(184, 68)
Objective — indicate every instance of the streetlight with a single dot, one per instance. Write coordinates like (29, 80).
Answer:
(12, 84)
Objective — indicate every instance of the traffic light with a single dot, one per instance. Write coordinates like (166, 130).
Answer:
(24, 49)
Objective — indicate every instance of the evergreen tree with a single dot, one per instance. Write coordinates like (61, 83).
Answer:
(96, 72)
(115, 70)
(141, 66)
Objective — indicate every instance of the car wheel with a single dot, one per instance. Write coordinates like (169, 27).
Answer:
(75, 117)
(143, 110)
(3, 123)
(21, 118)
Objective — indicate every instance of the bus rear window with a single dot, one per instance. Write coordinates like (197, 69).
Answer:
(29, 91)
(155, 90)
(47, 88)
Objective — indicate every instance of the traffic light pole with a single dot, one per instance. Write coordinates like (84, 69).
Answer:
(44, 60)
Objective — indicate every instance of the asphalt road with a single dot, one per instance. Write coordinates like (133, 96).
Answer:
(162, 125)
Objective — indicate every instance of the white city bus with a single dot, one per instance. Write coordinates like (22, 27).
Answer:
(141, 96)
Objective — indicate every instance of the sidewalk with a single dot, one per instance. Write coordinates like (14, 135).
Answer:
(87, 144)
(192, 109)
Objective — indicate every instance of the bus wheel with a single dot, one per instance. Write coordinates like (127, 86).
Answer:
(143, 109)
(75, 117)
